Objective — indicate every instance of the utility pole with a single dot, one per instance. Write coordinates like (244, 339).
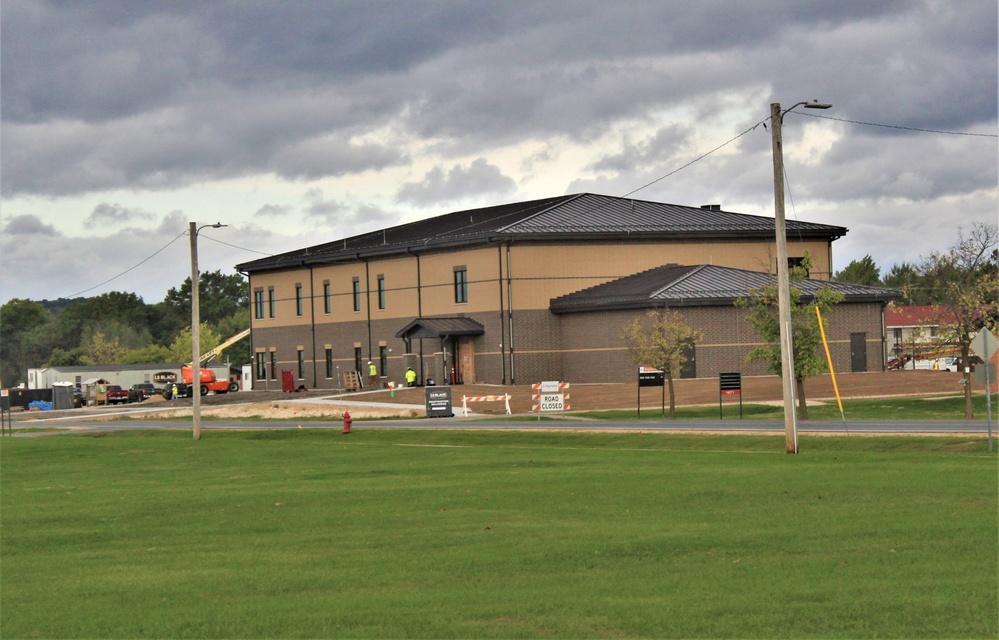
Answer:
(196, 331)
(783, 281)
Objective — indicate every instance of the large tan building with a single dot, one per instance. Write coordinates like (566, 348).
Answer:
(470, 296)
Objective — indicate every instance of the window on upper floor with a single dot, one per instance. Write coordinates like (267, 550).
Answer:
(460, 285)
(357, 294)
(327, 298)
(298, 300)
(381, 292)
(271, 302)
(258, 304)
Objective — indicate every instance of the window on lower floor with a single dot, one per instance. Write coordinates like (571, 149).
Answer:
(261, 366)
(383, 360)
(301, 364)
(357, 359)
(329, 364)
(273, 365)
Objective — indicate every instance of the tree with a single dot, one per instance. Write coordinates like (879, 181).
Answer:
(219, 296)
(102, 350)
(19, 320)
(806, 337)
(862, 271)
(180, 349)
(907, 279)
(660, 340)
(964, 281)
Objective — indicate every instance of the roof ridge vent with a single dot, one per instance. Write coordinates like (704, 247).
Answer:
(711, 207)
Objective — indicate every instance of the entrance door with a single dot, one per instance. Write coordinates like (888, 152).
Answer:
(466, 360)
(858, 352)
(689, 368)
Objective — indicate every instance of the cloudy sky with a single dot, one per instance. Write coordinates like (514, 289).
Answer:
(302, 122)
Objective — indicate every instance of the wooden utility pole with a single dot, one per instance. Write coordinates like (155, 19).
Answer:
(783, 281)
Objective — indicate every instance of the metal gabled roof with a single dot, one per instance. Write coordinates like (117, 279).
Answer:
(576, 217)
(698, 286)
(440, 328)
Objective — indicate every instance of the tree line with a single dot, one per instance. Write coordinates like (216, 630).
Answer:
(120, 328)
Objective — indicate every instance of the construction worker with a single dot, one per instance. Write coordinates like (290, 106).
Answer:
(372, 374)
(410, 377)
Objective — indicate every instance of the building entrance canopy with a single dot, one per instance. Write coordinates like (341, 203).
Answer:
(440, 328)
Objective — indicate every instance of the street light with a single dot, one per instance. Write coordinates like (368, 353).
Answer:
(196, 329)
(783, 284)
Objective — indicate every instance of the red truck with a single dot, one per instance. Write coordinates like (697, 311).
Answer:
(116, 395)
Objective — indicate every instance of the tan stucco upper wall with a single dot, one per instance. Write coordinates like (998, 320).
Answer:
(539, 272)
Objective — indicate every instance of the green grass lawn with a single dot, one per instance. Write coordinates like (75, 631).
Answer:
(450, 534)
(896, 408)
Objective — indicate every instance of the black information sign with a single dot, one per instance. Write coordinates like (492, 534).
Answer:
(651, 378)
(729, 384)
(439, 402)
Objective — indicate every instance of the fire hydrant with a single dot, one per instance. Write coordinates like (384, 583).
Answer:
(347, 420)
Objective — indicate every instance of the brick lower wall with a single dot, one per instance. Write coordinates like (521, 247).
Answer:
(578, 347)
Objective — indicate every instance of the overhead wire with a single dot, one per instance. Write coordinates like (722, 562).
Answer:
(139, 264)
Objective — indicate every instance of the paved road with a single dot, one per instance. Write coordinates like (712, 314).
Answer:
(63, 425)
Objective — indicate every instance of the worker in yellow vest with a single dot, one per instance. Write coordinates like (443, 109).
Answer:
(410, 377)
(372, 374)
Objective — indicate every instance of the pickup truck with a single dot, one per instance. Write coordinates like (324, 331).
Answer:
(116, 395)
(142, 391)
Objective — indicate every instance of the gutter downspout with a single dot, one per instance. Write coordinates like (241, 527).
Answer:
(367, 298)
(499, 280)
(312, 321)
(509, 301)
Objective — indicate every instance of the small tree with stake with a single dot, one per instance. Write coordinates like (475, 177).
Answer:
(806, 337)
(964, 281)
(660, 339)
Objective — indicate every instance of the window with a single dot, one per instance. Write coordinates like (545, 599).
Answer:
(898, 335)
(327, 298)
(357, 359)
(258, 304)
(261, 366)
(301, 364)
(383, 360)
(298, 299)
(273, 365)
(329, 364)
(798, 263)
(357, 294)
(460, 285)
(381, 292)
(270, 302)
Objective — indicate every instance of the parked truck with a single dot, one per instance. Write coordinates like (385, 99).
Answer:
(116, 395)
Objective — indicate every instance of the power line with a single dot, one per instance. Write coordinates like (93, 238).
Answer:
(894, 126)
(235, 246)
(183, 233)
(695, 160)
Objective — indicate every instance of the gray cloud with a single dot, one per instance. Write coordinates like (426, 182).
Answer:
(27, 225)
(439, 186)
(115, 213)
(123, 99)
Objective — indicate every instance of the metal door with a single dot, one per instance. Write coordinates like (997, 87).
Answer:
(858, 352)
(689, 368)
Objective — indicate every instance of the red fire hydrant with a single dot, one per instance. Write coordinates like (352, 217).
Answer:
(347, 420)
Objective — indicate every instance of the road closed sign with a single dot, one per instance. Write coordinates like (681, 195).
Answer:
(551, 396)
